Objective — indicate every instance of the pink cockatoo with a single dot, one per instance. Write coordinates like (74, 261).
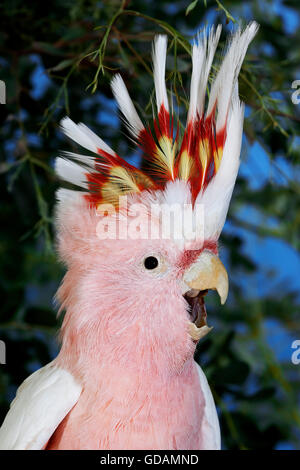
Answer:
(125, 377)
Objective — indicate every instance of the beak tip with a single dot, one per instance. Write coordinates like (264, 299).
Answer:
(223, 292)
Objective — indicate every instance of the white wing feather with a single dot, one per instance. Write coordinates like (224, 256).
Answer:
(210, 425)
(41, 403)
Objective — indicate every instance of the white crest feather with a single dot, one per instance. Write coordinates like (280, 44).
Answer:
(198, 57)
(226, 78)
(213, 39)
(202, 56)
(126, 105)
(82, 159)
(71, 172)
(216, 197)
(83, 136)
(159, 68)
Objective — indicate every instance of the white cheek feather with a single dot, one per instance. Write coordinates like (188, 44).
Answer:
(41, 403)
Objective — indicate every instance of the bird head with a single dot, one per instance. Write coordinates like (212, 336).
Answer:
(141, 246)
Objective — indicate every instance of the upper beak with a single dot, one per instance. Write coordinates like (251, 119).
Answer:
(208, 272)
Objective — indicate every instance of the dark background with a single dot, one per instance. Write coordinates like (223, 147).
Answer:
(57, 58)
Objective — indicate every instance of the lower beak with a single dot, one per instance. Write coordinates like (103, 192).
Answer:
(208, 272)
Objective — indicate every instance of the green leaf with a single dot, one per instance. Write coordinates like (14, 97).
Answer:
(61, 65)
(191, 7)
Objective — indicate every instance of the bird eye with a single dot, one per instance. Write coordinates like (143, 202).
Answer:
(151, 262)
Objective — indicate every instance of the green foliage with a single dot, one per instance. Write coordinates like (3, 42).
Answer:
(57, 58)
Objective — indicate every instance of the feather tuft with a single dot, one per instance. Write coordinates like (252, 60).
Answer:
(71, 172)
(202, 57)
(126, 106)
(206, 160)
(83, 136)
(159, 68)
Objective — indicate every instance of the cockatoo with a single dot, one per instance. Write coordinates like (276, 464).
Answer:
(125, 376)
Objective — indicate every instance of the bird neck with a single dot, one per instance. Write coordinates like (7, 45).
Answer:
(138, 350)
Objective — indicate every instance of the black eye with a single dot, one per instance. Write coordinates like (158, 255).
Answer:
(151, 262)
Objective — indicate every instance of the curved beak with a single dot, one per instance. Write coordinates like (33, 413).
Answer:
(208, 272)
